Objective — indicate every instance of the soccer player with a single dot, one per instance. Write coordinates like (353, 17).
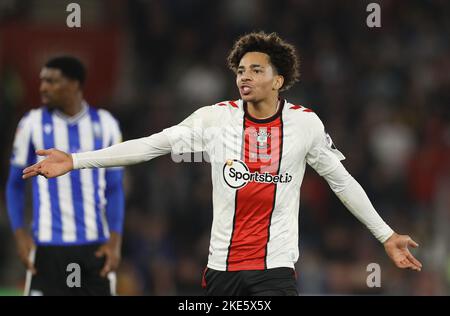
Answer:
(258, 147)
(77, 218)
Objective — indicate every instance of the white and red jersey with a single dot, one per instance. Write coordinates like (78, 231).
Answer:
(257, 170)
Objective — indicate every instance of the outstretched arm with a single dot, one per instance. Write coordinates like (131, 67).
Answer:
(185, 137)
(352, 195)
(130, 152)
(324, 157)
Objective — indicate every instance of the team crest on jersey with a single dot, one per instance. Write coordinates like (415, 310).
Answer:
(237, 175)
(262, 136)
(47, 128)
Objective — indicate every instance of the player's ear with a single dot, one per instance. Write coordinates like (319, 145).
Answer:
(278, 82)
(75, 85)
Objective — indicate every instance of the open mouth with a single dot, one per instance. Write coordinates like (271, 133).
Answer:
(245, 90)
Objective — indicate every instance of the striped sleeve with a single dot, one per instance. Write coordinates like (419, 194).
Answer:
(111, 128)
(22, 155)
(115, 206)
(23, 149)
(116, 134)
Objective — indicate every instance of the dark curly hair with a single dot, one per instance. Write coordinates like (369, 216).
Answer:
(282, 55)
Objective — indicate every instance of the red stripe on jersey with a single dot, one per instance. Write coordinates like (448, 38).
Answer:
(296, 107)
(256, 200)
(221, 104)
(233, 104)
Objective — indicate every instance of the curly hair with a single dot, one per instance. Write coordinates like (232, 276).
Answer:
(282, 55)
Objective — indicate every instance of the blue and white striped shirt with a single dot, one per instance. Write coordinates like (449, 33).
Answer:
(79, 207)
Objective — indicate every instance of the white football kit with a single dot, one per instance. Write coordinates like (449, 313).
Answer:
(257, 170)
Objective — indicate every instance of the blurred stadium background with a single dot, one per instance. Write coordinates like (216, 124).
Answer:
(383, 94)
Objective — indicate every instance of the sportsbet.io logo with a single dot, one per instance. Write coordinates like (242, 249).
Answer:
(236, 174)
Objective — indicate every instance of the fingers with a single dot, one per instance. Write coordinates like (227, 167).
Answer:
(414, 261)
(44, 152)
(35, 169)
(412, 243)
(34, 173)
(417, 265)
(30, 174)
(407, 263)
(108, 266)
(31, 171)
(28, 261)
(404, 264)
(111, 260)
(101, 252)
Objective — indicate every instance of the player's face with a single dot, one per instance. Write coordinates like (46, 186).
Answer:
(256, 78)
(55, 89)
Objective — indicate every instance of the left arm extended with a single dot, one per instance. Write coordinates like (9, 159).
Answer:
(326, 160)
(353, 196)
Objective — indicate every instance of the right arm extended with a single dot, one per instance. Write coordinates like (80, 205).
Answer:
(187, 137)
(130, 152)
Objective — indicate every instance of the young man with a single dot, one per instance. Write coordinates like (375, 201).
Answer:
(258, 147)
(77, 218)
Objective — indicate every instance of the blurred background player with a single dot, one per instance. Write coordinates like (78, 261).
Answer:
(77, 218)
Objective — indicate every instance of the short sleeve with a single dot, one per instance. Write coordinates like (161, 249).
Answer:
(323, 155)
(23, 149)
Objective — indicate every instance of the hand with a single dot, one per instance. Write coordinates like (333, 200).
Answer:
(56, 164)
(397, 249)
(111, 249)
(25, 245)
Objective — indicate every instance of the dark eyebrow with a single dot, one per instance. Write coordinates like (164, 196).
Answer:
(252, 66)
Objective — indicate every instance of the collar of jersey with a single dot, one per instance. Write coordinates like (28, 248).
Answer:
(266, 120)
(76, 117)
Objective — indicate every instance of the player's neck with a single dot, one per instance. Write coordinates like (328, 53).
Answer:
(73, 106)
(263, 109)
